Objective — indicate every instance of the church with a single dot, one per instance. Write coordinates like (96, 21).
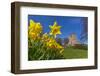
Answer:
(72, 40)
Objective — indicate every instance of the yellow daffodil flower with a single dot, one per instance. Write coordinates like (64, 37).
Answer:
(33, 35)
(55, 29)
(32, 25)
(45, 37)
(34, 29)
(38, 28)
(53, 44)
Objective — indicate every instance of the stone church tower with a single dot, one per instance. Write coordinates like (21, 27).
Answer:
(73, 40)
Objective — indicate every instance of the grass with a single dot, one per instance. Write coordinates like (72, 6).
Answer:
(72, 53)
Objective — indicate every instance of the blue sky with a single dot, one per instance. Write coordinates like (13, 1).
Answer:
(70, 24)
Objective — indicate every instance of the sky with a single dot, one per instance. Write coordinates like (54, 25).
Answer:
(69, 24)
